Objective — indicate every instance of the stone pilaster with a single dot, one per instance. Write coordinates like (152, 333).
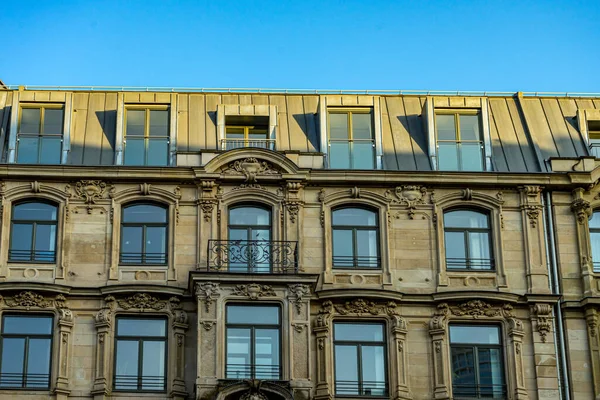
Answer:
(439, 343)
(322, 330)
(104, 340)
(399, 331)
(515, 358)
(546, 370)
(592, 318)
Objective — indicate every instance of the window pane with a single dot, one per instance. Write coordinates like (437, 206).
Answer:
(35, 325)
(249, 216)
(27, 152)
(45, 242)
(53, 121)
(20, 242)
(134, 151)
(13, 355)
(354, 217)
(144, 213)
(465, 219)
(474, 334)
(153, 365)
(260, 234)
(343, 255)
(51, 150)
(595, 239)
(266, 349)
(463, 372)
(363, 156)
(156, 245)
(346, 370)
(445, 128)
(38, 363)
(361, 126)
(359, 332)
(33, 211)
(30, 120)
(126, 365)
(455, 249)
(373, 370)
(479, 250)
(131, 244)
(471, 158)
(159, 123)
(366, 242)
(469, 127)
(238, 353)
(253, 315)
(338, 126)
(339, 155)
(447, 157)
(141, 327)
(490, 372)
(595, 220)
(158, 152)
(136, 119)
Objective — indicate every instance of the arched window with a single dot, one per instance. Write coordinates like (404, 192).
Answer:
(250, 242)
(33, 232)
(595, 239)
(144, 234)
(468, 240)
(355, 238)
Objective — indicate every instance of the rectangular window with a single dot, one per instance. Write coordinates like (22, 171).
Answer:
(459, 140)
(141, 354)
(147, 136)
(26, 346)
(351, 139)
(594, 135)
(40, 135)
(360, 359)
(477, 367)
(247, 131)
(253, 342)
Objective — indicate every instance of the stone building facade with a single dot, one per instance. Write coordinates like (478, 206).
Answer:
(187, 245)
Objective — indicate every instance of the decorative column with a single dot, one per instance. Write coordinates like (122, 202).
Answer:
(207, 225)
(324, 389)
(65, 330)
(180, 326)
(583, 211)
(102, 379)
(399, 331)
(299, 339)
(437, 330)
(515, 358)
(207, 294)
(592, 318)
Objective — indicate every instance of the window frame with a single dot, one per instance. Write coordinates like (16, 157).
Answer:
(249, 228)
(144, 225)
(349, 111)
(140, 340)
(358, 344)
(230, 143)
(475, 347)
(457, 131)
(26, 347)
(34, 224)
(354, 229)
(488, 230)
(252, 328)
(42, 107)
(146, 137)
(594, 230)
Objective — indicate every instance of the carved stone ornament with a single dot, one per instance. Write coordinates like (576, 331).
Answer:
(142, 301)
(409, 195)
(360, 307)
(90, 190)
(207, 207)
(251, 168)
(207, 325)
(104, 315)
(533, 212)
(253, 291)
(299, 292)
(292, 208)
(207, 292)
(592, 319)
(254, 392)
(543, 312)
(28, 300)
(476, 309)
(582, 210)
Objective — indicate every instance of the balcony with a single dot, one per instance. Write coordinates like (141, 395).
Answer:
(253, 256)
(230, 144)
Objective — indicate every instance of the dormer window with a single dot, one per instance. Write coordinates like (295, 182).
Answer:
(459, 140)
(594, 135)
(247, 131)
(40, 135)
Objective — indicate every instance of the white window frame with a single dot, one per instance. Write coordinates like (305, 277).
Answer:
(249, 110)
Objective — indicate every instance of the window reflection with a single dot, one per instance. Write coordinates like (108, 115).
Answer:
(467, 238)
(33, 232)
(355, 238)
(144, 234)
(249, 232)
(459, 141)
(40, 135)
(146, 137)
(351, 143)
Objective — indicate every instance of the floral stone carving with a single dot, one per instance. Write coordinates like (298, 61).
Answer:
(142, 301)
(251, 167)
(253, 291)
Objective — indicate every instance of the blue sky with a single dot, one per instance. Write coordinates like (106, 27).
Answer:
(346, 44)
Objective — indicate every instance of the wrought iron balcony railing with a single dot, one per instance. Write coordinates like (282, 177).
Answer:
(361, 388)
(475, 391)
(470, 263)
(24, 380)
(144, 382)
(254, 371)
(48, 256)
(143, 258)
(230, 144)
(253, 256)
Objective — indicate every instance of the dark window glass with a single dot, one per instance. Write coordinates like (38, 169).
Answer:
(355, 238)
(250, 246)
(247, 131)
(467, 239)
(40, 136)
(33, 232)
(360, 359)
(351, 143)
(594, 225)
(144, 234)
(140, 360)
(147, 137)
(459, 142)
(26, 346)
(253, 342)
(477, 367)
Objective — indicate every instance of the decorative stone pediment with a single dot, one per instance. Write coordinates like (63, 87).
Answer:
(142, 302)
(473, 309)
(250, 163)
